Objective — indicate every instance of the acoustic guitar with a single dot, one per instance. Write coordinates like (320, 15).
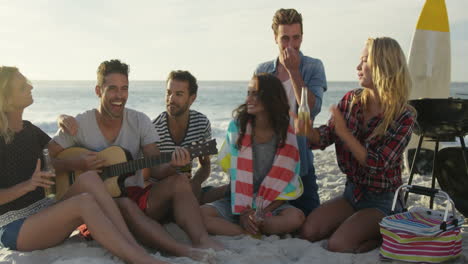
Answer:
(119, 165)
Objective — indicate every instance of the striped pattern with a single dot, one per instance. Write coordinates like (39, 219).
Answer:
(420, 221)
(416, 237)
(199, 129)
(282, 181)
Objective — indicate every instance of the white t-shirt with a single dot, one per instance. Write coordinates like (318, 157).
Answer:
(288, 87)
(136, 132)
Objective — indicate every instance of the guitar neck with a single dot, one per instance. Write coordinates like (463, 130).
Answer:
(134, 165)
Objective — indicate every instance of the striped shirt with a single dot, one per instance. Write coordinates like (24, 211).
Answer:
(198, 129)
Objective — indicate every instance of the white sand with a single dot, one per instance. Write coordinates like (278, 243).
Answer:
(243, 249)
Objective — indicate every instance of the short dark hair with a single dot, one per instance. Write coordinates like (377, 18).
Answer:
(184, 76)
(108, 67)
(286, 17)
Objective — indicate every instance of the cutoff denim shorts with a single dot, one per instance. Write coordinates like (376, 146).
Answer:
(9, 234)
(380, 201)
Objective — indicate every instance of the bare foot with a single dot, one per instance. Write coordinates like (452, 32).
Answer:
(152, 260)
(208, 242)
(203, 255)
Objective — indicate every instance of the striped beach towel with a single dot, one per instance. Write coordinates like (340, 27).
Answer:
(416, 236)
(282, 181)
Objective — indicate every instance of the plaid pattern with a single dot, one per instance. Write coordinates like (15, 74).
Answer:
(384, 154)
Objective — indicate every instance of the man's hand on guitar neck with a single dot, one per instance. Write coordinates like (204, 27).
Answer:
(180, 157)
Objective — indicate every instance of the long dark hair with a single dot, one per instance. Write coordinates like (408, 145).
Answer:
(273, 97)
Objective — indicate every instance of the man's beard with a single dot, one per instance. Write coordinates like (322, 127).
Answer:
(110, 114)
(178, 111)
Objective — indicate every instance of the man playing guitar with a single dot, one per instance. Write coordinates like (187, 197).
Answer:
(114, 124)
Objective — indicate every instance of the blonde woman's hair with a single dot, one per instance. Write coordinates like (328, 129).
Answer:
(6, 74)
(391, 78)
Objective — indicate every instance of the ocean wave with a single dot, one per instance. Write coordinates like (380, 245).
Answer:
(49, 127)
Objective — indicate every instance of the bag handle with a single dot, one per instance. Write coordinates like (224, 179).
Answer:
(435, 193)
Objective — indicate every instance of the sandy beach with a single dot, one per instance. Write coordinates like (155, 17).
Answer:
(240, 249)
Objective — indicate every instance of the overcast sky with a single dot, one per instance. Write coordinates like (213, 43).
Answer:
(215, 40)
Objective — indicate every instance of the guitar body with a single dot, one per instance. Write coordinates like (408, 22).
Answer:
(112, 155)
(119, 164)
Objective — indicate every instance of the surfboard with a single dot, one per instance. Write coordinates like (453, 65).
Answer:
(429, 65)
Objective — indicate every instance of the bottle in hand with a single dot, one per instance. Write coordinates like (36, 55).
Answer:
(49, 191)
(303, 112)
(259, 215)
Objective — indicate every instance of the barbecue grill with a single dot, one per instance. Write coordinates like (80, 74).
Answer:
(439, 120)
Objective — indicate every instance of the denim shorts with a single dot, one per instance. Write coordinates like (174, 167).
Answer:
(9, 234)
(223, 207)
(380, 201)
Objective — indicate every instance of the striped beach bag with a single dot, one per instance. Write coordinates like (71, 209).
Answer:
(421, 234)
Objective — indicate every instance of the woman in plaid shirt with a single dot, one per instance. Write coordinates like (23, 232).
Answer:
(370, 127)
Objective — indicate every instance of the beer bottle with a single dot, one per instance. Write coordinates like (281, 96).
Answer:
(303, 112)
(49, 191)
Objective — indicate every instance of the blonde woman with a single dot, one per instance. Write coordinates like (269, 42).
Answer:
(370, 128)
(28, 220)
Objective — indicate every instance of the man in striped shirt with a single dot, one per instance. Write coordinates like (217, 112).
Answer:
(181, 126)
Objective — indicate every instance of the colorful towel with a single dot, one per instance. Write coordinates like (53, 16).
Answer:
(282, 181)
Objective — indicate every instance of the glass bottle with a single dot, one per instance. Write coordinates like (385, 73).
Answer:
(303, 112)
(51, 190)
(259, 215)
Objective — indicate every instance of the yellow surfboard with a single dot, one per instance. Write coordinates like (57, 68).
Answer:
(429, 57)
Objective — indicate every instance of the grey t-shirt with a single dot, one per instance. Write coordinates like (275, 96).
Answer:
(136, 132)
(263, 157)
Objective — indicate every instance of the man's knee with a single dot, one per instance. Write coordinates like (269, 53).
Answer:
(181, 183)
(208, 211)
(125, 203)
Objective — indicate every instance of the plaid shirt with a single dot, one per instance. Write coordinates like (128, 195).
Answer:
(384, 153)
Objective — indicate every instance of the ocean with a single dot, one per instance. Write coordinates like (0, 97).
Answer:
(216, 99)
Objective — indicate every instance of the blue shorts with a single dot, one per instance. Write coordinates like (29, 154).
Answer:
(380, 201)
(9, 234)
(223, 207)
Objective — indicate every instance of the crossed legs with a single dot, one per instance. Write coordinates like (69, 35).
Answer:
(287, 221)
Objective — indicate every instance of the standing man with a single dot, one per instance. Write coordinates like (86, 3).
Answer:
(114, 124)
(296, 71)
(180, 126)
